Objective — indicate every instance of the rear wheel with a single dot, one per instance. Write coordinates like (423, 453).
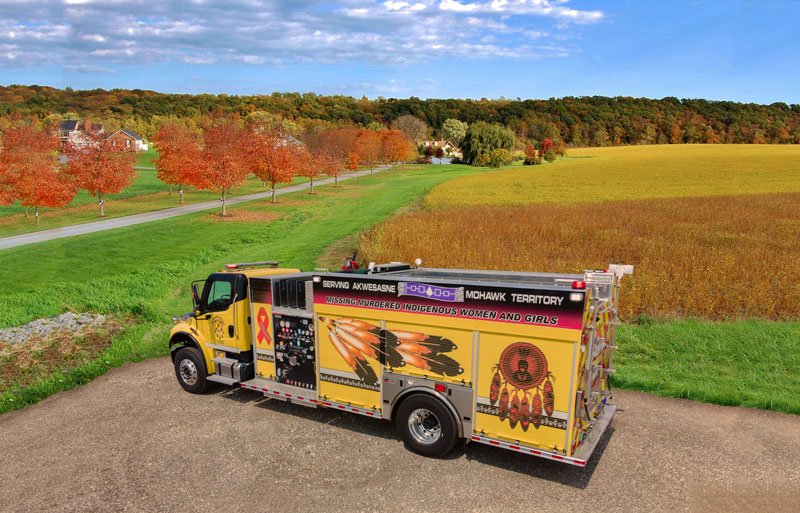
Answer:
(426, 426)
(190, 369)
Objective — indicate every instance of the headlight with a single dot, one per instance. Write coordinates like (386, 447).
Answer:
(174, 319)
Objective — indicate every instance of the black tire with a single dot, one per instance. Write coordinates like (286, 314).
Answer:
(426, 426)
(190, 369)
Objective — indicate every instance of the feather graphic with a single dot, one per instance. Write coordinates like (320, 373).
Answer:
(400, 348)
(355, 360)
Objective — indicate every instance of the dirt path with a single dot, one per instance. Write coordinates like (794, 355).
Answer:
(166, 213)
(132, 440)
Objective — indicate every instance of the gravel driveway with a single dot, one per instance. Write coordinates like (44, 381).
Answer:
(132, 440)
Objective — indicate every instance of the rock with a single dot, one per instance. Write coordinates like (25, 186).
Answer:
(42, 328)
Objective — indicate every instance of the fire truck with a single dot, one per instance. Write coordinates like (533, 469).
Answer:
(515, 360)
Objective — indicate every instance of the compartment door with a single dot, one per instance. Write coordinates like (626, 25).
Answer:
(435, 352)
(349, 352)
(261, 322)
(523, 389)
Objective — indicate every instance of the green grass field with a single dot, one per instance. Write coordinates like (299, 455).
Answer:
(145, 270)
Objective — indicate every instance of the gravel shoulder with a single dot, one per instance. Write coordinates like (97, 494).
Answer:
(132, 440)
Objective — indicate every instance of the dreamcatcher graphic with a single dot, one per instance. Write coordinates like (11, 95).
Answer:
(357, 340)
(523, 370)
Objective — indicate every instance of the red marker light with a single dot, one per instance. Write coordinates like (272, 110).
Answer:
(578, 284)
(230, 266)
(440, 388)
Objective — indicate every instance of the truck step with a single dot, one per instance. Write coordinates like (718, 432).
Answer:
(222, 379)
(221, 360)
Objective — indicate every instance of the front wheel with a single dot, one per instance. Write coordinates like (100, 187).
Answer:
(190, 369)
(426, 426)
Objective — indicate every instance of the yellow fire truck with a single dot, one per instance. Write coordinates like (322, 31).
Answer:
(515, 360)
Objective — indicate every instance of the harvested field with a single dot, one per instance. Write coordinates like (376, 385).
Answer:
(632, 172)
(723, 257)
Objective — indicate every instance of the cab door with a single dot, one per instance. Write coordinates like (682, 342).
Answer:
(216, 320)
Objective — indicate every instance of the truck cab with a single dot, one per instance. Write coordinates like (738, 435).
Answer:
(215, 340)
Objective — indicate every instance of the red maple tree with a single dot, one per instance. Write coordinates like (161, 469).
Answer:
(396, 147)
(310, 166)
(98, 169)
(30, 171)
(179, 156)
(330, 149)
(273, 156)
(368, 147)
(547, 144)
(224, 162)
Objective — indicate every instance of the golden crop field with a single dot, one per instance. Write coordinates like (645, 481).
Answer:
(712, 257)
(631, 173)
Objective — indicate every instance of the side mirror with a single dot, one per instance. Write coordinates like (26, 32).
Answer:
(195, 297)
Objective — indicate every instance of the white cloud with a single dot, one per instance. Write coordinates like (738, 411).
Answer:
(84, 34)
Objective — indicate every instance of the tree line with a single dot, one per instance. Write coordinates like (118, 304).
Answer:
(217, 154)
(574, 121)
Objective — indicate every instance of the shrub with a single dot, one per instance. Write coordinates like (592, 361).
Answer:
(500, 157)
(483, 160)
(550, 155)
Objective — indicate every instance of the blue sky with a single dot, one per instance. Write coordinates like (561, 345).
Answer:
(741, 51)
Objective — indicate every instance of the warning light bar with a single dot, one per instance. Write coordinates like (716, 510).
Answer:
(252, 264)
(578, 284)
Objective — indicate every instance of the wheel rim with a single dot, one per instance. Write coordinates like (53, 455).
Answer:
(424, 426)
(188, 371)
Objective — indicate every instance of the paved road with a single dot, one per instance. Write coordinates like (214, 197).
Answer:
(132, 440)
(117, 222)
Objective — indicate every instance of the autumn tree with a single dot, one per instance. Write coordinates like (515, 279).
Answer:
(224, 162)
(30, 171)
(368, 147)
(546, 145)
(395, 146)
(272, 156)
(310, 166)
(330, 149)
(98, 169)
(329, 166)
(415, 129)
(178, 162)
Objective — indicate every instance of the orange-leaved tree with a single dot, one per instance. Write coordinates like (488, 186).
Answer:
(178, 161)
(368, 147)
(396, 147)
(307, 165)
(98, 169)
(330, 149)
(224, 162)
(272, 155)
(30, 171)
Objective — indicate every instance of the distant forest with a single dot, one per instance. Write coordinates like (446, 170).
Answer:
(576, 121)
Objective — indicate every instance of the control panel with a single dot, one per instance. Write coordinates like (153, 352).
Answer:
(294, 351)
